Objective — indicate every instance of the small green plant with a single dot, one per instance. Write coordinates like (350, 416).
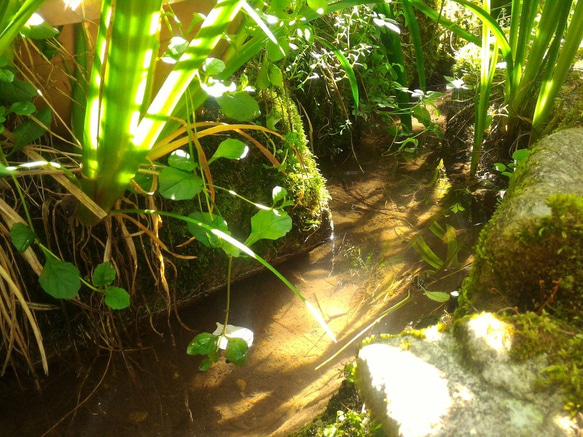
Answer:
(448, 236)
(535, 63)
(508, 170)
(345, 416)
(62, 280)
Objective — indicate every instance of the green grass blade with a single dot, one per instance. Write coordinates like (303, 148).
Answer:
(547, 28)
(488, 67)
(448, 24)
(521, 22)
(79, 82)
(13, 24)
(413, 26)
(186, 70)
(490, 23)
(550, 88)
(347, 69)
(243, 249)
(427, 254)
(126, 47)
(394, 50)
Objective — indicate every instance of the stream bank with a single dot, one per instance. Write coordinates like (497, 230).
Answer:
(156, 389)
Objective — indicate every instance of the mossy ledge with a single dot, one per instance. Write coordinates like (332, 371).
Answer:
(530, 255)
(254, 178)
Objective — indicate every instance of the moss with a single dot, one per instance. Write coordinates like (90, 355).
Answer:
(540, 267)
(561, 344)
(568, 110)
(254, 179)
(344, 415)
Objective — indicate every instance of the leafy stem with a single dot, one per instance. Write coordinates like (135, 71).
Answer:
(228, 306)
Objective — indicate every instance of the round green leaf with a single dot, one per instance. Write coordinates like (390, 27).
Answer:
(230, 149)
(144, 180)
(205, 237)
(278, 194)
(320, 6)
(181, 160)
(438, 296)
(22, 108)
(236, 351)
(104, 274)
(213, 66)
(22, 236)
(262, 82)
(117, 298)
(269, 225)
(275, 76)
(203, 344)
(520, 155)
(176, 184)
(239, 106)
(60, 279)
(6, 75)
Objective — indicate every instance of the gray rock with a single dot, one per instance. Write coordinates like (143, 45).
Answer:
(435, 384)
(529, 255)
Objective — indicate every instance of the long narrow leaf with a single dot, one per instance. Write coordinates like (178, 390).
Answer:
(16, 22)
(550, 17)
(112, 149)
(488, 67)
(208, 36)
(413, 26)
(448, 24)
(347, 69)
(394, 50)
(552, 86)
(243, 249)
(521, 20)
(497, 32)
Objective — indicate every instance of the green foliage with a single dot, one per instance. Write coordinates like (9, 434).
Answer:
(239, 106)
(536, 63)
(207, 344)
(447, 236)
(345, 415)
(508, 170)
(535, 335)
(60, 279)
(22, 236)
(116, 298)
(269, 224)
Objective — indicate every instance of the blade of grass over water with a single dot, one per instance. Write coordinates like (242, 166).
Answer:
(243, 249)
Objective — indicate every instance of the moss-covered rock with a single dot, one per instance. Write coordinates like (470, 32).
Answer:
(474, 378)
(530, 255)
(254, 179)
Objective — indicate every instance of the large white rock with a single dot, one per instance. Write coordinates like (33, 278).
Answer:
(438, 385)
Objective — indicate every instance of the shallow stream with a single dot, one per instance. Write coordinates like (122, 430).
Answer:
(368, 266)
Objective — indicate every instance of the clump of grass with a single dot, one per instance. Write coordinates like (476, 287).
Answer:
(345, 415)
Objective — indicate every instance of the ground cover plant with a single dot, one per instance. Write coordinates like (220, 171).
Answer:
(537, 43)
(129, 132)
